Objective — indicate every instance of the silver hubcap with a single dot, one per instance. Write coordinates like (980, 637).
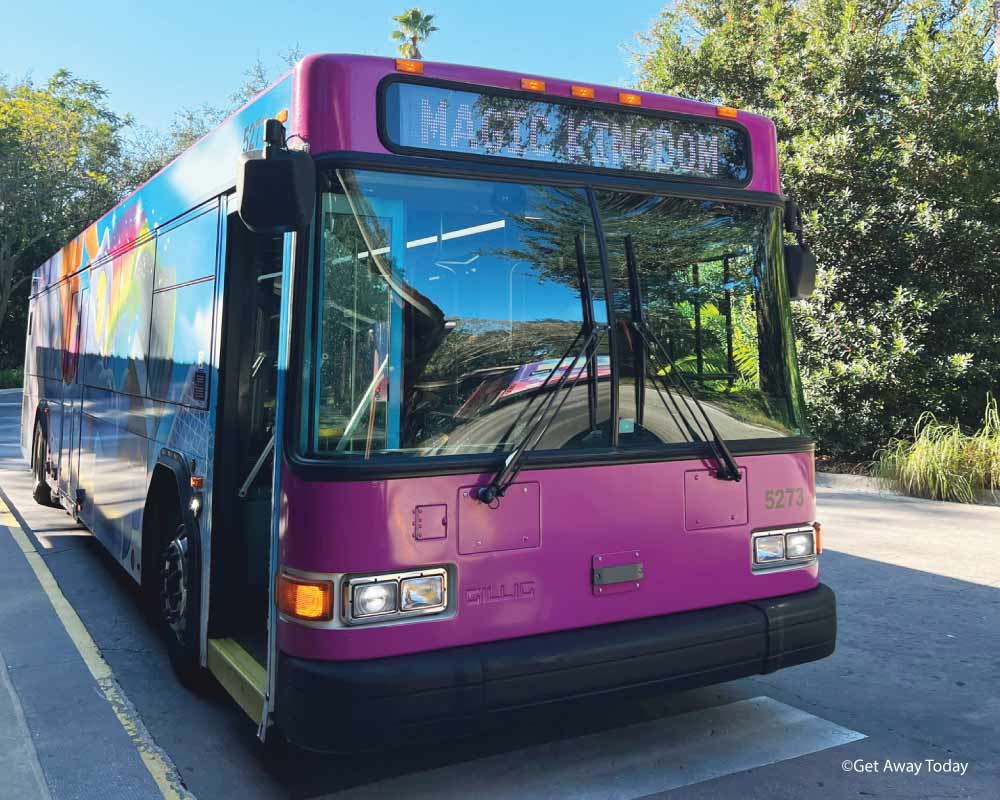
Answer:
(174, 584)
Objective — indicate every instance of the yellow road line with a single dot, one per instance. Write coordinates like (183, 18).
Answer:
(167, 780)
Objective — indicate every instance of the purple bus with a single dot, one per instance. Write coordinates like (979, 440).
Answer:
(415, 392)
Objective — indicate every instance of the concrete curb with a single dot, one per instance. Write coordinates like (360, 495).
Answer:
(863, 483)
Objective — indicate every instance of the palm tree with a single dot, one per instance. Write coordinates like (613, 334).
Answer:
(414, 28)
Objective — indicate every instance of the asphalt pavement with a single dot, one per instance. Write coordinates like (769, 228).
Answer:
(908, 706)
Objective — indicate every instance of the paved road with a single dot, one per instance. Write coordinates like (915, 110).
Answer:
(915, 677)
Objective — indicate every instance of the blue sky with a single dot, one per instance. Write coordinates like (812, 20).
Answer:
(157, 57)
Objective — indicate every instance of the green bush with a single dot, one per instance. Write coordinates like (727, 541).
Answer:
(869, 374)
(943, 462)
(11, 378)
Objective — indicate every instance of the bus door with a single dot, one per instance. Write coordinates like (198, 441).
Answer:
(242, 490)
(69, 450)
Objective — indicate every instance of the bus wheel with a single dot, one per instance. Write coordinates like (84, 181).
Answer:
(41, 491)
(179, 602)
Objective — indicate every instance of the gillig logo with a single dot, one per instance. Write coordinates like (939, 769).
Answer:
(481, 595)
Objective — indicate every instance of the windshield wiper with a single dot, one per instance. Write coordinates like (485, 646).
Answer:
(591, 334)
(728, 469)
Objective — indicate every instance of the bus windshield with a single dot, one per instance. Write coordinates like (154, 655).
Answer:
(441, 305)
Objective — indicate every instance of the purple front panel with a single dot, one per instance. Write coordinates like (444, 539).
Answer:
(584, 512)
(335, 106)
(513, 524)
(711, 503)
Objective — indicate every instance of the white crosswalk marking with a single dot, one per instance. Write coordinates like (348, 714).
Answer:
(630, 762)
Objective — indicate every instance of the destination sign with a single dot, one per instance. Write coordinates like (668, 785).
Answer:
(459, 122)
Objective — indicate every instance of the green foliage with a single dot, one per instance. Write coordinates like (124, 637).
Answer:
(11, 378)
(414, 27)
(63, 161)
(942, 462)
(868, 375)
(888, 136)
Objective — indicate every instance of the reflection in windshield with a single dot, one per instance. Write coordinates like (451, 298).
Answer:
(712, 297)
(442, 305)
(443, 279)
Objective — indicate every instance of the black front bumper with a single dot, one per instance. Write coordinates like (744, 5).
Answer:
(317, 701)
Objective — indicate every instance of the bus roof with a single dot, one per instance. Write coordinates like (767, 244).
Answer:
(334, 109)
(331, 101)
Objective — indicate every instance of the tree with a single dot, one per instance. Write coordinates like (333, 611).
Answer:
(66, 158)
(63, 161)
(886, 116)
(414, 27)
(154, 150)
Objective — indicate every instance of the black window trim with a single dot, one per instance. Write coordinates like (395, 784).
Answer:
(639, 111)
(311, 468)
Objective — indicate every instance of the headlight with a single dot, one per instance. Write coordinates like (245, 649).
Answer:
(785, 548)
(767, 549)
(387, 598)
(371, 599)
(799, 545)
(423, 592)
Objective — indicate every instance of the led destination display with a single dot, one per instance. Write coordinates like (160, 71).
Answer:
(453, 121)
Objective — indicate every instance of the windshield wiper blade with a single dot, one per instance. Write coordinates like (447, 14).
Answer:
(681, 419)
(545, 416)
(589, 326)
(728, 469)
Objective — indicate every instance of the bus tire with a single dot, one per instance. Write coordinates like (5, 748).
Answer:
(179, 598)
(41, 491)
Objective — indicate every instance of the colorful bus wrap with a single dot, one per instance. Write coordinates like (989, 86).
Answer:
(417, 391)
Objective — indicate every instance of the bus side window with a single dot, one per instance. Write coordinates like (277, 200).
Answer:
(180, 343)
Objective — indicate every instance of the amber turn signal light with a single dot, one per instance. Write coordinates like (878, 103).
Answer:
(409, 65)
(818, 528)
(302, 598)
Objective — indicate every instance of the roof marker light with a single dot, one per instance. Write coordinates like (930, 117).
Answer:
(583, 92)
(726, 111)
(409, 65)
(533, 84)
(630, 98)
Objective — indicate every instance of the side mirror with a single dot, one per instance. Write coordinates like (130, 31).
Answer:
(800, 263)
(800, 267)
(276, 188)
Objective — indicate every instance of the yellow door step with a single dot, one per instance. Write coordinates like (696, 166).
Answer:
(240, 674)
